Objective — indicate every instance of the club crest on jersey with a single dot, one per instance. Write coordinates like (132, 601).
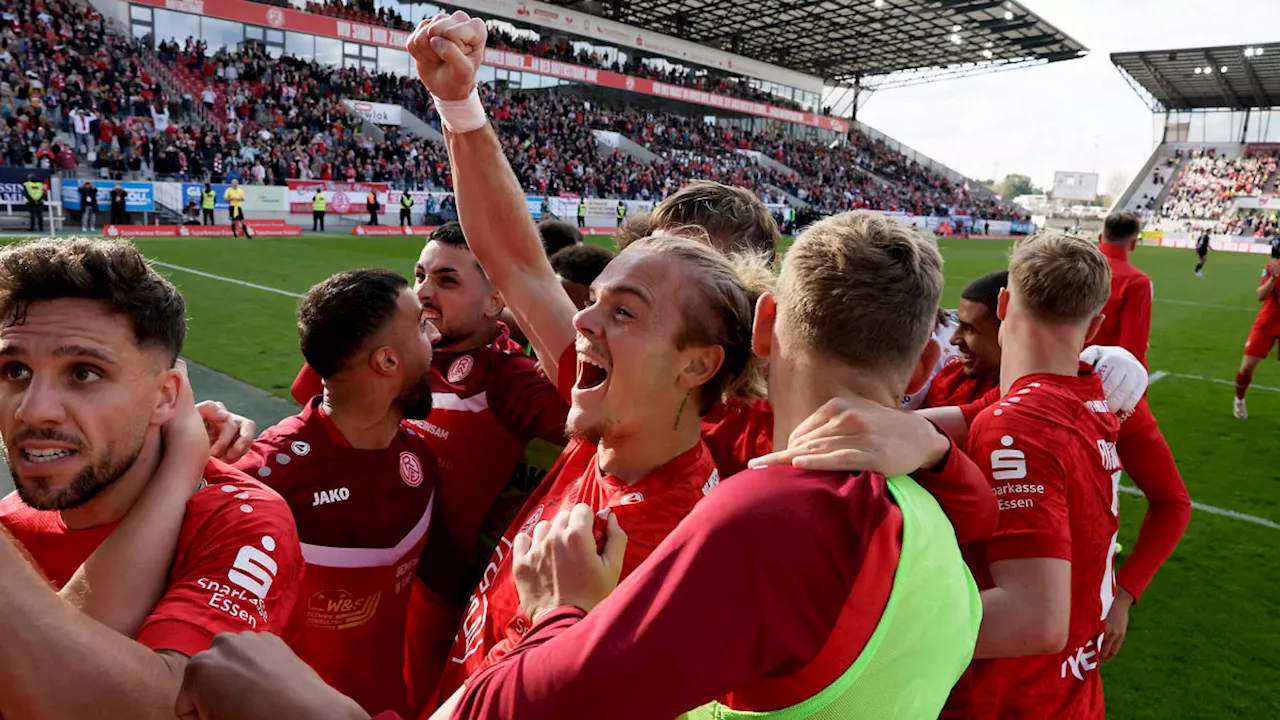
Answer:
(410, 469)
(631, 498)
(953, 360)
(300, 448)
(532, 520)
(460, 369)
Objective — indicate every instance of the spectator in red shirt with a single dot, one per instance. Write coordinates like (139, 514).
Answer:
(89, 394)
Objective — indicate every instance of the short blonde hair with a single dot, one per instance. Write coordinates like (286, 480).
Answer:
(862, 289)
(1059, 278)
(734, 219)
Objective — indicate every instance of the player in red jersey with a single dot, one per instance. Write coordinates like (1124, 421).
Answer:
(1144, 453)
(359, 481)
(1049, 447)
(976, 369)
(493, 411)
(1263, 336)
(668, 332)
(652, 649)
(87, 356)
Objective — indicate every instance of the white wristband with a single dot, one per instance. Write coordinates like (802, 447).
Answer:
(462, 116)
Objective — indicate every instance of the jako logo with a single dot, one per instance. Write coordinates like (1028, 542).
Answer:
(324, 497)
(254, 569)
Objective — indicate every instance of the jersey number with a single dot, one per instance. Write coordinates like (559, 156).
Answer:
(1108, 591)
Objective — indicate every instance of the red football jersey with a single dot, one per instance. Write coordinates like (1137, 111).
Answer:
(237, 565)
(647, 510)
(1049, 448)
(1128, 310)
(736, 431)
(952, 387)
(362, 518)
(1268, 320)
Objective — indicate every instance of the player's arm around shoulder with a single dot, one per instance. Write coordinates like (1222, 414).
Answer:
(527, 402)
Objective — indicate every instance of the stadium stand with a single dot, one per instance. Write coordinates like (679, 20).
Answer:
(178, 109)
(1208, 183)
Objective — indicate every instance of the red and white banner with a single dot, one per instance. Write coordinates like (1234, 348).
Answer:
(298, 21)
(145, 231)
(392, 230)
(343, 198)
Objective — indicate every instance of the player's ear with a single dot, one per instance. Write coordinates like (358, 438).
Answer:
(1094, 325)
(167, 399)
(762, 325)
(924, 366)
(384, 360)
(701, 364)
(1002, 304)
(493, 305)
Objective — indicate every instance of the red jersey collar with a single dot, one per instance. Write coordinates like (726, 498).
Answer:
(1114, 251)
(315, 409)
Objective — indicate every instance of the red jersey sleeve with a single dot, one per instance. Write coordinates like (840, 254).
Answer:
(1017, 453)
(971, 410)
(962, 490)
(1135, 320)
(238, 568)
(307, 385)
(529, 406)
(567, 373)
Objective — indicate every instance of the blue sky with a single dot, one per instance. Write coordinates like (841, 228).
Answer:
(1078, 115)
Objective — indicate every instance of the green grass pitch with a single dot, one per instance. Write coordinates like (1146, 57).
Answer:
(1204, 643)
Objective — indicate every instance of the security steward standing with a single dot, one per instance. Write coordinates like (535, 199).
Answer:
(406, 208)
(318, 205)
(208, 200)
(35, 202)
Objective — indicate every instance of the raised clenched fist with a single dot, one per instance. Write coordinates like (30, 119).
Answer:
(448, 50)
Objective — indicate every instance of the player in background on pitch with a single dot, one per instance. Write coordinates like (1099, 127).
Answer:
(115, 484)
(1263, 336)
(358, 479)
(1144, 453)
(492, 412)
(1202, 251)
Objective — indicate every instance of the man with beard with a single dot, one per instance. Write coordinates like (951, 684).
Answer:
(89, 394)
(358, 479)
(492, 407)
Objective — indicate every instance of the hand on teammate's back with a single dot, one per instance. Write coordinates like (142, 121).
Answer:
(1124, 379)
(852, 434)
(448, 50)
(560, 564)
(255, 676)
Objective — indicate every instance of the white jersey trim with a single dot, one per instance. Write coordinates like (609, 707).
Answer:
(451, 401)
(341, 557)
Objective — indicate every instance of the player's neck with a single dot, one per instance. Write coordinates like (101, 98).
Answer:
(800, 385)
(631, 458)
(473, 342)
(115, 501)
(1039, 349)
(367, 421)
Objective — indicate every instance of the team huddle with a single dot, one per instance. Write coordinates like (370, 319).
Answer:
(719, 484)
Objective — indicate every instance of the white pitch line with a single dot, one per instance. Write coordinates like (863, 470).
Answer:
(233, 281)
(1216, 510)
(1221, 381)
(1194, 303)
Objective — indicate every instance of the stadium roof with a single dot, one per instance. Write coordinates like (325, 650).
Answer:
(901, 42)
(1236, 77)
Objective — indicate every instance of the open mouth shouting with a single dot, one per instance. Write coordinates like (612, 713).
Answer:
(593, 372)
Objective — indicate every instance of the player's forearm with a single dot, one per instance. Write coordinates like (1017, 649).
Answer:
(1011, 627)
(1150, 464)
(120, 583)
(492, 208)
(950, 420)
(963, 493)
(501, 234)
(57, 663)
